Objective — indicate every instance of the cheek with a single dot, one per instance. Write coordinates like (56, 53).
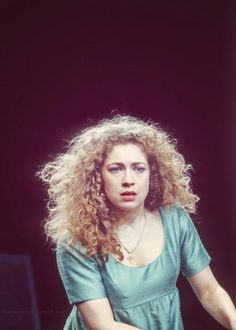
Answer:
(147, 180)
(146, 185)
(109, 186)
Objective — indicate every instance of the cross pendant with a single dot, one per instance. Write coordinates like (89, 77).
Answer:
(130, 259)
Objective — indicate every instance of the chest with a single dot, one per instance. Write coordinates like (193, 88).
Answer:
(142, 249)
(125, 286)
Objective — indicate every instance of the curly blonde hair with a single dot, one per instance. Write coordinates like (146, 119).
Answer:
(79, 210)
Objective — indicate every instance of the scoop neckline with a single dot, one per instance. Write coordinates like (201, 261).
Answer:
(157, 258)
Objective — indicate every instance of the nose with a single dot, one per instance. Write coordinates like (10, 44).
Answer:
(128, 179)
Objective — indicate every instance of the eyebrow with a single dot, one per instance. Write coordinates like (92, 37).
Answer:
(122, 164)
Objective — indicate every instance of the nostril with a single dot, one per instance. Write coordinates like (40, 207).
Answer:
(127, 184)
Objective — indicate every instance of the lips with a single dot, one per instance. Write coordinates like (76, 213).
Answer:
(128, 193)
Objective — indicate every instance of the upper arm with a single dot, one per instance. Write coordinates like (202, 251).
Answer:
(84, 286)
(203, 282)
(194, 257)
(80, 275)
(96, 312)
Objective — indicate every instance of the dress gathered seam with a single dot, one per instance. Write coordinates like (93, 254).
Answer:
(175, 289)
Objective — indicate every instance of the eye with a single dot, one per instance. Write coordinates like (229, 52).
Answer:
(139, 168)
(114, 169)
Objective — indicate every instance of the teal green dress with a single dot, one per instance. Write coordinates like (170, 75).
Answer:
(145, 297)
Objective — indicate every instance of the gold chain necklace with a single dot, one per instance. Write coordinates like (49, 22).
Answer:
(130, 258)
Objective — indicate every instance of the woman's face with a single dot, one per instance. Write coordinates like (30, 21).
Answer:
(126, 176)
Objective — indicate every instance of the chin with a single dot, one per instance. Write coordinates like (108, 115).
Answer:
(129, 206)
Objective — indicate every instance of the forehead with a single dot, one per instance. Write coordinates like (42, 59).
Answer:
(129, 152)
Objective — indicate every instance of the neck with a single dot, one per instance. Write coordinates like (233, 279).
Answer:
(129, 218)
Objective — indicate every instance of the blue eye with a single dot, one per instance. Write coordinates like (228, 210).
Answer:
(139, 169)
(114, 169)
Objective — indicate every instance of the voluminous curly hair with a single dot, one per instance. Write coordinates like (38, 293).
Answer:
(79, 210)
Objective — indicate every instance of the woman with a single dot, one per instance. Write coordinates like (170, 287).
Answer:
(119, 203)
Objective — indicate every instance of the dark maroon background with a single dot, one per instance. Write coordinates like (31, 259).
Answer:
(63, 64)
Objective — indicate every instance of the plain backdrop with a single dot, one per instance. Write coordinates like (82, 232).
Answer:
(67, 64)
